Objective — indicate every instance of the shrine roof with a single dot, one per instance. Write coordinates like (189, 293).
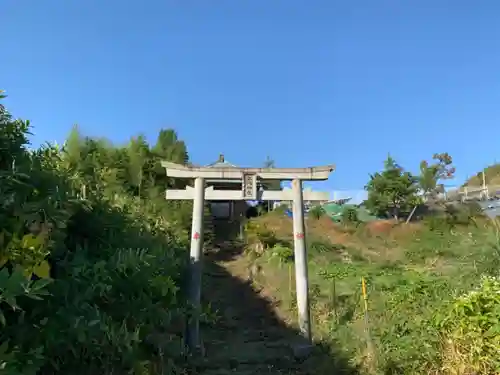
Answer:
(221, 163)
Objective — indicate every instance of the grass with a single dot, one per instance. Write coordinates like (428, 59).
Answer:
(412, 275)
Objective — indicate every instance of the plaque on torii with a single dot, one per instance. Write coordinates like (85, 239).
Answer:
(249, 191)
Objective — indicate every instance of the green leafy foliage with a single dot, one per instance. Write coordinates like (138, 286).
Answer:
(350, 216)
(318, 246)
(471, 330)
(412, 282)
(256, 232)
(392, 192)
(317, 212)
(416, 324)
(91, 255)
(432, 173)
(284, 254)
(453, 216)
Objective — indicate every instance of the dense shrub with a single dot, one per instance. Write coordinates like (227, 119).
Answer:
(283, 253)
(350, 216)
(471, 331)
(453, 216)
(317, 212)
(257, 233)
(474, 209)
(91, 257)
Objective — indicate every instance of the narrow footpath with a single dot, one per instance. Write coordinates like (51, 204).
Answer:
(248, 337)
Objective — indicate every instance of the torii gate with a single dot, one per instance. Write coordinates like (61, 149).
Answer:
(249, 176)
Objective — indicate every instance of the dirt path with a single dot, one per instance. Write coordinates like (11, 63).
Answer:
(249, 338)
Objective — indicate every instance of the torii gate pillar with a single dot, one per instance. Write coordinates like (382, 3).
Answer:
(300, 255)
(195, 265)
(248, 177)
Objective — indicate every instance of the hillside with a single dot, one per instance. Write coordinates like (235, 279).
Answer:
(492, 176)
(415, 274)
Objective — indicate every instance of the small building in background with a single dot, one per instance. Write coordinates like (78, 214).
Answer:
(226, 210)
(307, 204)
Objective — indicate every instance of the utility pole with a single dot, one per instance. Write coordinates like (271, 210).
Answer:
(485, 188)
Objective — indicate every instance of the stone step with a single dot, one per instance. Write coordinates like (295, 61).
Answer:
(226, 332)
(263, 357)
(253, 357)
(252, 370)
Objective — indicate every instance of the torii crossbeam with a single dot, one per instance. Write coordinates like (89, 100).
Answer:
(249, 191)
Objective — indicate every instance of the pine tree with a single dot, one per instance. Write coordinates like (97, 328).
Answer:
(138, 152)
(73, 146)
(168, 148)
(392, 192)
(13, 138)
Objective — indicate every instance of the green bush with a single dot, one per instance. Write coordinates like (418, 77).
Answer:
(458, 215)
(89, 268)
(451, 218)
(350, 216)
(320, 246)
(256, 232)
(317, 212)
(437, 223)
(474, 209)
(471, 331)
(111, 290)
(283, 253)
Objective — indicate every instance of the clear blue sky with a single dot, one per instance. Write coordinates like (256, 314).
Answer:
(306, 82)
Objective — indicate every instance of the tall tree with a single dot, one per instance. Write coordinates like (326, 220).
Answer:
(13, 138)
(138, 152)
(269, 163)
(271, 184)
(168, 147)
(392, 192)
(432, 173)
(73, 146)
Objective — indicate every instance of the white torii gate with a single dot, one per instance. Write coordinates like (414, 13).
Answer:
(199, 193)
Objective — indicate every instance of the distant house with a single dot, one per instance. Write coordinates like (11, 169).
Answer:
(339, 201)
(307, 204)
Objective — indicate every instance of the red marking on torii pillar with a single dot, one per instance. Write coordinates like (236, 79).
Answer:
(299, 236)
(196, 236)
